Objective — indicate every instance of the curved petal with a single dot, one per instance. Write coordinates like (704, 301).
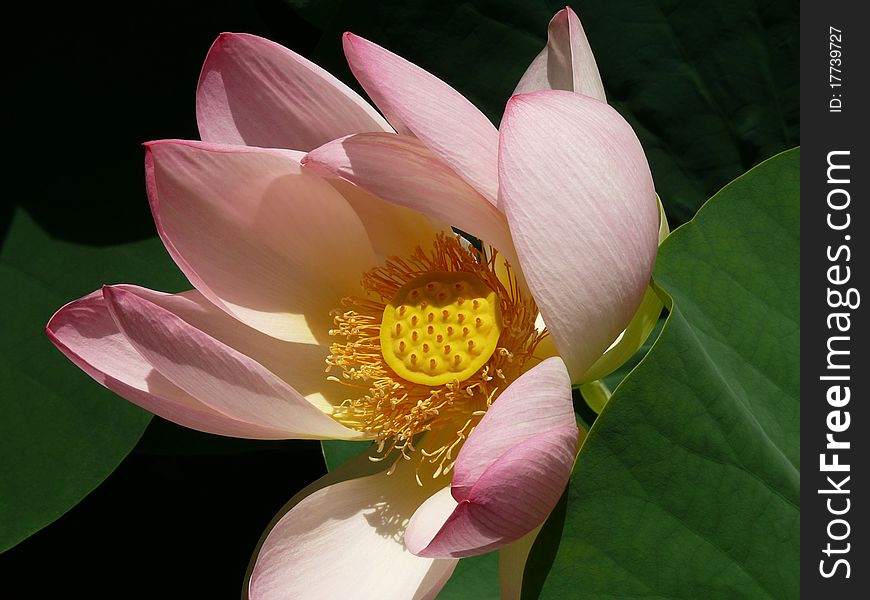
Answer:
(401, 170)
(537, 402)
(579, 198)
(254, 92)
(345, 541)
(566, 63)
(394, 230)
(509, 474)
(274, 246)
(418, 103)
(86, 333)
(299, 365)
(219, 376)
(638, 329)
(512, 558)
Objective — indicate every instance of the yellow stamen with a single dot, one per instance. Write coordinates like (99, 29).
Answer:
(438, 376)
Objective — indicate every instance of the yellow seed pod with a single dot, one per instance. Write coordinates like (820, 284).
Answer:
(440, 327)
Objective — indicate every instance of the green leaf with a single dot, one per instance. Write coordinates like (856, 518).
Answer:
(710, 88)
(688, 483)
(613, 380)
(475, 578)
(338, 452)
(61, 434)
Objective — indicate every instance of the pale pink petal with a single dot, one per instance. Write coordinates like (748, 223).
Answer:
(579, 197)
(566, 63)
(418, 103)
(537, 402)
(509, 474)
(401, 170)
(394, 230)
(86, 333)
(223, 378)
(512, 558)
(433, 515)
(254, 92)
(300, 365)
(274, 246)
(638, 329)
(345, 541)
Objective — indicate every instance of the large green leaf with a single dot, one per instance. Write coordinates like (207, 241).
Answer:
(475, 577)
(61, 434)
(710, 87)
(688, 484)
(338, 452)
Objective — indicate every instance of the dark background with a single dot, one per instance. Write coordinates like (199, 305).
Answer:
(711, 88)
(182, 514)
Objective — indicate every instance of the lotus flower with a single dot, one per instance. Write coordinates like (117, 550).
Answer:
(317, 235)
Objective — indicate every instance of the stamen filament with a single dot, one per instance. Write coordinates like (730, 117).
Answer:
(396, 410)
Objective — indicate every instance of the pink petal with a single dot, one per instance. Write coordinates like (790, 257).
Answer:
(403, 171)
(638, 329)
(299, 365)
(254, 92)
(509, 474)
(393, 230)
(566, 63)
(418, 103)
(537, 402)
(579, 198)
(219, 376)
(345, 541)
(85, 332)
(274, 246)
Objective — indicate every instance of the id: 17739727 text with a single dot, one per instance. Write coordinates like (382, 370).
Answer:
(835, 69)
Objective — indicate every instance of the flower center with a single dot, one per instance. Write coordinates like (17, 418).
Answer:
(437, 336)
(440, 327)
